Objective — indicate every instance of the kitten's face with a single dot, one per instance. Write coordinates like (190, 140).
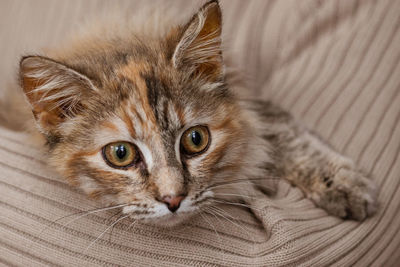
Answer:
(161, 148)
(151, 126)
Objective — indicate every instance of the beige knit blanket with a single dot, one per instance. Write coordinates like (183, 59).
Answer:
(334, 64)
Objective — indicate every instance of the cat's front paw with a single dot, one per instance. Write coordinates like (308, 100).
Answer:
(348, 194)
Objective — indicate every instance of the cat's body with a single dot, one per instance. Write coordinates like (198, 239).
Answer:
(150, 124)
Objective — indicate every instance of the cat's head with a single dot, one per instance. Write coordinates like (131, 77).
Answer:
(143, 122)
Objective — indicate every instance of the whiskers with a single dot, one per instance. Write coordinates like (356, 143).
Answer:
(218, 213)
(105, 231)
(223, 195)
(216, 200)
(215, 230)
(80, 215)
(245, 181)
(235, 204)
(233, 195)
(216, 209)
(111, 226)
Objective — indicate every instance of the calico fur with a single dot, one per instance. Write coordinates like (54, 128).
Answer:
(148, 90)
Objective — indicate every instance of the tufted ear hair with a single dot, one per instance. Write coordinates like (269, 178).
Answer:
(199, 47)
(54, 90)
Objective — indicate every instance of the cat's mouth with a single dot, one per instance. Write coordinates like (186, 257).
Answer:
(160, 215)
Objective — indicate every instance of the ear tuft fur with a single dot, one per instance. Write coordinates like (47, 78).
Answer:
(200, 44)
(54, 90)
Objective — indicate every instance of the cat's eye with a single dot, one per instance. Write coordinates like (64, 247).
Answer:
(120, 154)
(195, 140)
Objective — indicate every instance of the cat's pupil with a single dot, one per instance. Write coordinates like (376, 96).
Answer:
(120, 151)
(196, 138)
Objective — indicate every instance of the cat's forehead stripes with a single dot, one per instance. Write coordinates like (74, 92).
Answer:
(166, 103)
(152, 107)
(133, 72)
(128, 122)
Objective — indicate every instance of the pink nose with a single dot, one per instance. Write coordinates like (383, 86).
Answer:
(173, 203)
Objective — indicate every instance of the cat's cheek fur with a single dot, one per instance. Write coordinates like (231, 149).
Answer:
(88, 186)
(88, 171)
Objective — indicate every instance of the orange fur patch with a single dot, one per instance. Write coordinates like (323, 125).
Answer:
(110, 125)
(133, 72)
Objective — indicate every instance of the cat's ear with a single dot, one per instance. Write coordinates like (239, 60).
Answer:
(199, 46)
(54, 90)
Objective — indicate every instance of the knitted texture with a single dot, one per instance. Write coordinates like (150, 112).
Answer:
(334, 64)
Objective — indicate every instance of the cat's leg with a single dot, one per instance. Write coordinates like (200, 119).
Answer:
(330, 179)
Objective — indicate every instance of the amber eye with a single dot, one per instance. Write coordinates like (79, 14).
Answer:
(120, 154)
(195, 140)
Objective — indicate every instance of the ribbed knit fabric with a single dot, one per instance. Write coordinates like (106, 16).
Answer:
(334, 64)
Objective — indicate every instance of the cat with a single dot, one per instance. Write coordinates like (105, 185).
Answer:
(150, 125)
